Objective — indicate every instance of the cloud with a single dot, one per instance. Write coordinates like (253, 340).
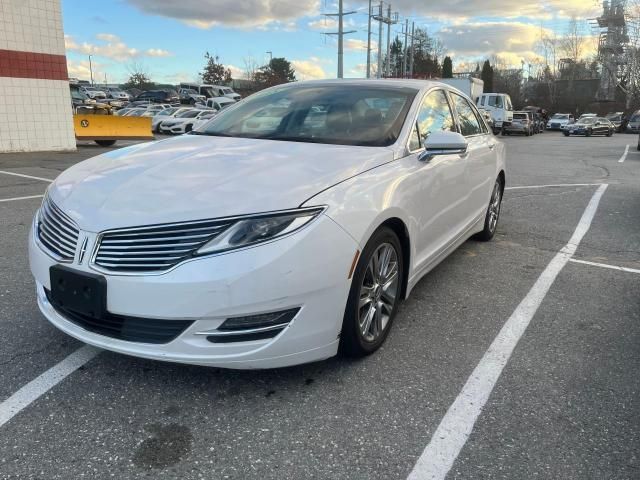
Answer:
(323, 24)
(359, 45)
(464, 9)
(490, 37)
(244, 13)
(236, 72)
(308, 70)
(113, 48)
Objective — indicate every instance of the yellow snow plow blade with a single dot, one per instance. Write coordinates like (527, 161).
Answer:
(111, 127)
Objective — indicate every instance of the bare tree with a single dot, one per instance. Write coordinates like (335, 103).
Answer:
(250, 67)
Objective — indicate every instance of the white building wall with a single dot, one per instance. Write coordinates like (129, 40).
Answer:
(35, 103)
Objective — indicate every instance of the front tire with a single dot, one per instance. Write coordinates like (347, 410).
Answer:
(374, 295)
(493, 213)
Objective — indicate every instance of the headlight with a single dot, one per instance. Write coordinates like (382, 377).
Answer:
(254, 230)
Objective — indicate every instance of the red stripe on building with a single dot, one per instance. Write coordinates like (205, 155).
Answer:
(42, 66)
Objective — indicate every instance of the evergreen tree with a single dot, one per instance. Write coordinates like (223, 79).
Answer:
(277, 71)
(214, 72)
(487, 77)
(447, 68)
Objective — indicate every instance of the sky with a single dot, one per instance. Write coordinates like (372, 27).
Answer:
(169, 38)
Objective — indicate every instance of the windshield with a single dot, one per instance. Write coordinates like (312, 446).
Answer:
(560, 116)
(332, 114)
(587, 120)
(188, 114)
(167, 111)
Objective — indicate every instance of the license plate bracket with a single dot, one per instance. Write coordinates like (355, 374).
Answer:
(80, 292)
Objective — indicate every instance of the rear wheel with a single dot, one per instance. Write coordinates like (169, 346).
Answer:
(493, 213)
(566, 134)
(105, 143)
(374, 295)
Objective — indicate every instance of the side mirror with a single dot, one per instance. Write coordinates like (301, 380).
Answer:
(443, 143)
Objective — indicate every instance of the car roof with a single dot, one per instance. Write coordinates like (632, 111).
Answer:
(399, 82)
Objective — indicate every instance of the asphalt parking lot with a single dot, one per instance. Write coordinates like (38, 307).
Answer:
(563, 402)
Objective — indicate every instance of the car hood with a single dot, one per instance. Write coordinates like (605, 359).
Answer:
(197, 177)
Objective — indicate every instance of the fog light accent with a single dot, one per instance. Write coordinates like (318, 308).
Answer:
(262, 320)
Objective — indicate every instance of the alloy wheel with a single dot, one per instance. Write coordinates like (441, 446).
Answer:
(494, 206)
(378, 292)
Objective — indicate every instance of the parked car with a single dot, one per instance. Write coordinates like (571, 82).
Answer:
(618, 120)
(282, 249)
(521, 123)
(159, 96)
(219, 103)
(588, 126)
(499, 106)
(165, 114)
(135, 112)
(560, 120)
(211, 91)
(93, 92)
(203, 119)
(182, 122)
(190, 96)
(633, 126)
(117, 94)
(587, 115)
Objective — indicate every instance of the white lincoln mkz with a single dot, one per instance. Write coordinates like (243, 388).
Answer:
(284, 230)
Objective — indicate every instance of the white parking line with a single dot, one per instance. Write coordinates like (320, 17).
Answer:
(456, 426)
(40, 385)
(624, 156)
(605, 265)
(557, 185)
(20, 198)
(48, 180)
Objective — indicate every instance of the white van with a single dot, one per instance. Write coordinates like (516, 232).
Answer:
(499, 106)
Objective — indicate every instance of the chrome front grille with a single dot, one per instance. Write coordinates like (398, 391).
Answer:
(154, 248)
(57, 232)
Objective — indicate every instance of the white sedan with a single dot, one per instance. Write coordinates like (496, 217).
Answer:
(251, 244)
(183, 122)
(165, 114)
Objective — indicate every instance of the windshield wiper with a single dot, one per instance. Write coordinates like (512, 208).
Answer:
(211, 134)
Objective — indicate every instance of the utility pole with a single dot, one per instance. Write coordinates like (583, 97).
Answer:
(413, 24)
(388, 20)
(369, 42)
(406, 49)
(379, 19)
(270, 56)
(91, 70)
(340, 33)
(388, 65)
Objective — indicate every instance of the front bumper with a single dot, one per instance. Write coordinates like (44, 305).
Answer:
(307, 269)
